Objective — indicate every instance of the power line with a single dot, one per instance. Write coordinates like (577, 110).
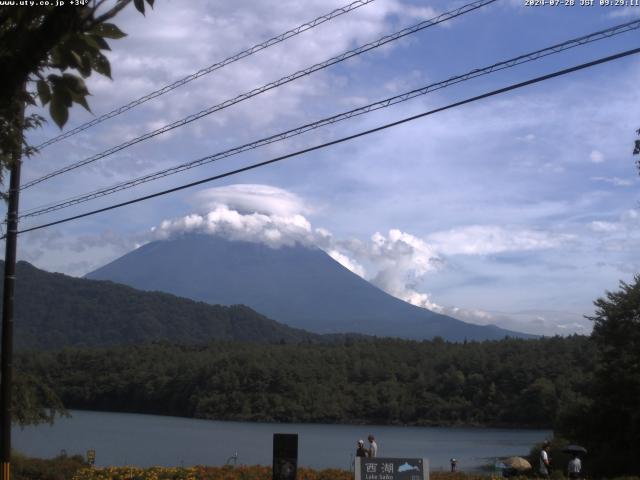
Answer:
(586, 39)
(343, 139)
(211, 68)
(284, 80)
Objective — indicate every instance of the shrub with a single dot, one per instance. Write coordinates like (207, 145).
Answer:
(62, 467)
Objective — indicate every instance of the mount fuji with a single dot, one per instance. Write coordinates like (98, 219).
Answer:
(296, 285)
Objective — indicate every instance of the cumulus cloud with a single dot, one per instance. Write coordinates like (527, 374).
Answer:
(596, 156)
(402, 261)
(272, 216)
(631, 215)
(70, 254)
(106, 239)
(537, 322)
(528, 138)
(347, 262)
(252, 213)
(615, 181)
(491, 239)
(470, 315)
(52, 239)
(397, 261)
(599, 226)
(182, 38)
(272, 230)
(628, 12)
(625, 224)
(571, 326)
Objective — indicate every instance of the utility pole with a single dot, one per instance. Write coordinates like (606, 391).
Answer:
(6, 359)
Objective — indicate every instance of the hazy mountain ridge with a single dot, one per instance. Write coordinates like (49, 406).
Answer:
(299, 286)
(53, 310)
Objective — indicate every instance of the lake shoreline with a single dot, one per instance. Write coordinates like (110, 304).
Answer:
(118, 438)
(355, 423)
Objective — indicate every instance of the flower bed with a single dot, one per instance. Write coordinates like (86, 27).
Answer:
(203, 473)
(232, 473)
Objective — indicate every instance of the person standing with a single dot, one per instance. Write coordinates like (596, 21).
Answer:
(373, 446)
(575, 467)
(545, 461)
(360, 450)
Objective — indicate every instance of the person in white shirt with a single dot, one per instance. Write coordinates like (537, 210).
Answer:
(545, 462)
(373, 446)
(574, 467)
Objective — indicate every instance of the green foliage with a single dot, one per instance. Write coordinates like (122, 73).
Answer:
(46, 52)
(54, 310)
(607, 420)
(62, 467)
(139, 4)
(33, 401)
(108, 30)
(384, 381)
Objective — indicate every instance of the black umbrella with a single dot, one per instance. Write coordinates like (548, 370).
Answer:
(574, 449)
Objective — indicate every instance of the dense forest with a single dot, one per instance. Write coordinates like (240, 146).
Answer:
(500, 383)
(607, 419)
(54, 310)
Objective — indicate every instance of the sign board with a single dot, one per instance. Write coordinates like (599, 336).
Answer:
(380, 468)
(91, 456)
(285, 456)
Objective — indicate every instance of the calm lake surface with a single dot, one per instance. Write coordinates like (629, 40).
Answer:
(146, 440)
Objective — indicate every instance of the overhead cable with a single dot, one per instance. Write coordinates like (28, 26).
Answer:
(257, 91)
(340, 140)
(211, 68)
(616, 30)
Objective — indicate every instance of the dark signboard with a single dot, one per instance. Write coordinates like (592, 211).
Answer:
(380, 468)
(285, 456)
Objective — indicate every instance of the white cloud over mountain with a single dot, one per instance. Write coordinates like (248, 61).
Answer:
(249, 198)
(397, 262)
(402, 261)
(272, 230)
(348, 263)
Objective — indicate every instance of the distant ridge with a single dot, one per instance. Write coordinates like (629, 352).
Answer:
(54, 310)
(302, 287)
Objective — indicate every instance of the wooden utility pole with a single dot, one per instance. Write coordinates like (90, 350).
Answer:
(6, 359)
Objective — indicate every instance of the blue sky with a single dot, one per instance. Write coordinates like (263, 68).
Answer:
(517, 210)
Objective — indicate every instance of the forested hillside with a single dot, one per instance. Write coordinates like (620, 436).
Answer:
(501, 383)
(54, 310)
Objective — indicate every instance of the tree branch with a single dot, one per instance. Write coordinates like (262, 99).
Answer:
(34, 48)
(110, 13)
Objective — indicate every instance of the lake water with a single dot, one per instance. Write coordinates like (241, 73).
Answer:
(146, 440)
